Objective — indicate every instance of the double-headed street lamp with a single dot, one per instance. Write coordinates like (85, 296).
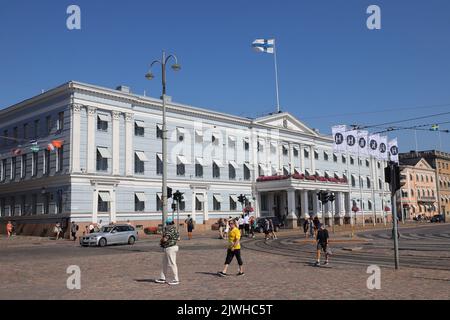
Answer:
(176, 67)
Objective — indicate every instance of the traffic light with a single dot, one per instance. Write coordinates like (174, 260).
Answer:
(169, 192)
(242, 198)
(178, 196)
(323, 196)
(394, 181)
(331, 197)
(174, 206)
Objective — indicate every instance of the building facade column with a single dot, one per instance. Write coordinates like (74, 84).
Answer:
(95, 205)
(91, 146)
(116, 142)
(291, 158)
(339, 208)
(113, 208)
(194, 199)
(348, 207)
(76, 134)
(292, 217)
(205, 208)
(313, 160)
(304, 204)
(315, 201)
(302, 158)
(129, 154)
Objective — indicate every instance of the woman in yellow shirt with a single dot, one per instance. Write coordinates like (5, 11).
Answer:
(234, 249)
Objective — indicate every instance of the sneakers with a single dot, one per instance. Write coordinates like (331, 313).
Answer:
(160, 281)
(222, 274)
(317, 264)
(241, 274)
(174, 282)
(326, 263)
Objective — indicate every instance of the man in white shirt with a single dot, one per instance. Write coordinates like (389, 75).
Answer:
(246, 225)
(241, 224)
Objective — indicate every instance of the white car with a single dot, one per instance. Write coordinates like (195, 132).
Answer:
(109, 235)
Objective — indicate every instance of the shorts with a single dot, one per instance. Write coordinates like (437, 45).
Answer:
(232, 254)
(247, 227)
(322, 246)
(190, 228)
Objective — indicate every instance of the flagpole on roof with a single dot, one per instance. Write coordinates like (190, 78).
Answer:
(276, 75)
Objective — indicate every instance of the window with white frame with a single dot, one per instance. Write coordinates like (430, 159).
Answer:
(102, 122)
(233, 202)
(103, 155)
(217, 201)
(199, 167)
(139, 201)
(139, 128)
(60, 121)
(104, 201)
(159, 164)
(139, 162)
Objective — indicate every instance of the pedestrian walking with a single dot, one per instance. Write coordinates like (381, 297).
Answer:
(322, 244)
(316, 222)
(247, 225)
(227, 228)
(311, 228)
(168, 243)
(221, 224)
(190, 226)
(306, 227)
(241, 224)
(272, 230)
(73, 230)
(9, 229)
(57, 230)
(234, 250)
(252, 222)
(266, 229)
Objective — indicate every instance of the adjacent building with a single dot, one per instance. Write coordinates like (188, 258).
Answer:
(418, 196)
(108, 164)
(440, 162)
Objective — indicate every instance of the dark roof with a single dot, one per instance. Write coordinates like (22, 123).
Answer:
(410, 162)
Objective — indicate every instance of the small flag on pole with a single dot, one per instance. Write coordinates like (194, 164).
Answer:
(435, 127)
(16, 152)
(50, 147)
(264, 45)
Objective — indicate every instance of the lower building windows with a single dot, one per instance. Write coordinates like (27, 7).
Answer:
(139, 201)
(159, 204)
(233, 203)
(198, 170)
(217, 199)
(104, 200)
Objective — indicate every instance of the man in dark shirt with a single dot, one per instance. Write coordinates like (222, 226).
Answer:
(322, 244)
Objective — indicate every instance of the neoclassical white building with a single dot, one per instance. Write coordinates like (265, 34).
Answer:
(109, 167)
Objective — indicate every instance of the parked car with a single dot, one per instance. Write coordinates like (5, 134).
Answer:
(437, 218)
(260, 224)
(109, 235)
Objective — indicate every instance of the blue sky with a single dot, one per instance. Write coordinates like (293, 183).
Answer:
(332, 69)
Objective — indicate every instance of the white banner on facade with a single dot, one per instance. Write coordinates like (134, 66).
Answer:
(383, 148)
(363, 143)
(393, 150)
(351, 141)
(339, 133)
(374, 143)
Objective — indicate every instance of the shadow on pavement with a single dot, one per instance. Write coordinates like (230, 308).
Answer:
(209, 273)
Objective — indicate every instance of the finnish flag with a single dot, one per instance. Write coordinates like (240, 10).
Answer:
(264, 45)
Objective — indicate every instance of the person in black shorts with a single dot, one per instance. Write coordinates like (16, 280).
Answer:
(322, 244)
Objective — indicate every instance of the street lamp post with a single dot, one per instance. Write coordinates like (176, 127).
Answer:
(150, 76)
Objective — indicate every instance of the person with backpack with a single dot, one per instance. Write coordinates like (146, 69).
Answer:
(73, 230)
(170, 248)
(322, 244)
(306, 227)
(190, 226)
